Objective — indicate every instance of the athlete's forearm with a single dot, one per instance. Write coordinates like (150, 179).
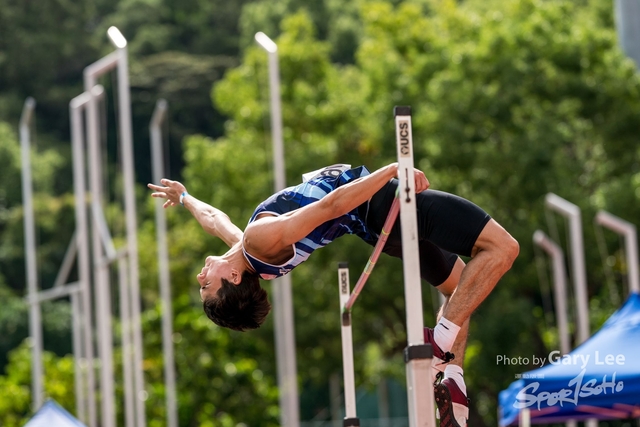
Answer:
(349, 196)
(213, 220)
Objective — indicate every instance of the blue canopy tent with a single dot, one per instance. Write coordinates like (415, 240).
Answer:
(599, 379)
(53, 415)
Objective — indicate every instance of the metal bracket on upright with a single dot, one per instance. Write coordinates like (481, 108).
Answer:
(418, 355)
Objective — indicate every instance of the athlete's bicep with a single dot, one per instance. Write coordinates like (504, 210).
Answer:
(271, 234)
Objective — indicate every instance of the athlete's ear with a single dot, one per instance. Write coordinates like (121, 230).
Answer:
(236, 277)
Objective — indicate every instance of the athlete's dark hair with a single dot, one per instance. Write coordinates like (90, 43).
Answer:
(239, 307)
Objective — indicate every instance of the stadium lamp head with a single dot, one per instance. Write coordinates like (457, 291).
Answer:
(116, 37)
(266, 43)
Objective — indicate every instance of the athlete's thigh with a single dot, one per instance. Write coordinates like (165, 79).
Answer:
(449, 221)
(435, 264)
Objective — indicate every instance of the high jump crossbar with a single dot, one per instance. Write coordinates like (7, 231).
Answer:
(377, 250)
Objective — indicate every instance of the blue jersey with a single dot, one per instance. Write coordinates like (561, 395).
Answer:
(318, 185)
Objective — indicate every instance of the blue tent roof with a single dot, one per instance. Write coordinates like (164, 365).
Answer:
(53, 415)
(599, 379)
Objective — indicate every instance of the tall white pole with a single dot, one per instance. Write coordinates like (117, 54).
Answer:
(628, 230)
(100, 266)
(157, 157)
(282, 295)
(572, 212)
(126, 139)
(418, 355)
(35, 318)
(76, 108)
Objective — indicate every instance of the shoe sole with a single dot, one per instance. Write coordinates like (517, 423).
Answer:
(445, 406)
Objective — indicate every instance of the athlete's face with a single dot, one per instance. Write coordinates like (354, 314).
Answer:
(215, 268)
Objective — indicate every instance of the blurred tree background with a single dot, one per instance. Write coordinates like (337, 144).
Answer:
(511, 99)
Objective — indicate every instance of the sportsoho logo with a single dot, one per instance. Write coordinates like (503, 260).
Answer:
(576, 387)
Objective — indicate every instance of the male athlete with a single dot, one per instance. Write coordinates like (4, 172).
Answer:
(287, 227)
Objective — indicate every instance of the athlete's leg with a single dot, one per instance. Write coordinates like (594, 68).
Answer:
(451, 391)
(449, 288)
(492, 256)
(458, 226)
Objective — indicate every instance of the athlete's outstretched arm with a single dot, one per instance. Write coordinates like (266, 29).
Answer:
(212, 220)
(271, 234)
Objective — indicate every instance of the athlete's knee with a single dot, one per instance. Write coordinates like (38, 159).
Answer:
(510, 250)
(499, 244)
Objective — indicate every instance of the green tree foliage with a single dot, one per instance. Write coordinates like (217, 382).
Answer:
(511, 99)
(509, 104)
(15, 385)
(336, 22)
(55, 222)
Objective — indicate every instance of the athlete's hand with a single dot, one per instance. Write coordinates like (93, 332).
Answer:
(170, 190)
(422, 183)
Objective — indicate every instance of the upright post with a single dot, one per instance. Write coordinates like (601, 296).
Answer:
(417, 354)
(628, 230)
(282, 295)
(350, 419)
(559, 286)
(157, 157)
(572, 212)
(35, 317)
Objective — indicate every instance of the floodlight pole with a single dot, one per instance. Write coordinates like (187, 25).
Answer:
(282, 295)
(117, 59)
(159, 115)
(628, 230)
(35, 315)
(559, 286)
(126, 135)
(572, 212)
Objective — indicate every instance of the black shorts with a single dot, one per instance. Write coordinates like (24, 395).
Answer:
(448, 226)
